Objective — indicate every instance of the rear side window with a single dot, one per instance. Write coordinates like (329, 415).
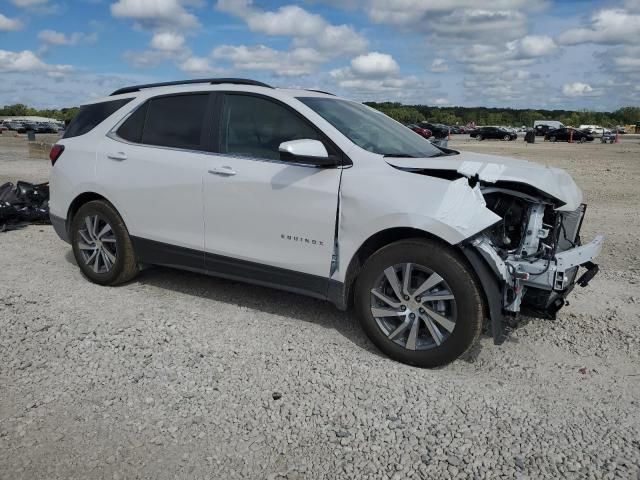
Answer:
(176, 121)
(92, 115)
(131, 129)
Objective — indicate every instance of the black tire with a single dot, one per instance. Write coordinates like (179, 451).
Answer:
(479, 137)
(447, 263)
(125, 266)
(552, 139)
(582, 140)
(507, 138)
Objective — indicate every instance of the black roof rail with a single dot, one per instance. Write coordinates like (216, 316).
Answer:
(320, 91)
(212, 81)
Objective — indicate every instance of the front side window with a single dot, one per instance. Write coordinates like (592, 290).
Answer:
(90, 116)
(370, 129)
(255, 127)
(176, 121)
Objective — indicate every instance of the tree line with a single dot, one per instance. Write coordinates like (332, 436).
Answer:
(20, 110)
(418, 113)
(504, 116)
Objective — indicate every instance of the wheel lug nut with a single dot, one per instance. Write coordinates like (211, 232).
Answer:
(406, 297)
(418, 299)
(422, 310)
(412, 316)
(403, 308)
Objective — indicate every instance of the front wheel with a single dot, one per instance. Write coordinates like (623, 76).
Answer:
(506, 138)
(101, 244)
(419, 302)
(479, 137)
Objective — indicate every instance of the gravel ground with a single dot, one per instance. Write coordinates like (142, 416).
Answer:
(177, 375)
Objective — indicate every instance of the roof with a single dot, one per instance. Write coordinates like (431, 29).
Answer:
(199, 85)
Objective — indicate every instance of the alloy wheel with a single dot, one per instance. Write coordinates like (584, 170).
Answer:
(413, 306)
(97, 244)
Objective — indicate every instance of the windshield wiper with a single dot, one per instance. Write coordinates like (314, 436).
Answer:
(399, 155)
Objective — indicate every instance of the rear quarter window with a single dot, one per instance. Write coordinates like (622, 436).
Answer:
(90, 116)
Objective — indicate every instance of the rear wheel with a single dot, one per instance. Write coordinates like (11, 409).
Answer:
(419, 303)
(101, 244)
(479, 137)
(506, 138)
(552, 139)
(582, 139)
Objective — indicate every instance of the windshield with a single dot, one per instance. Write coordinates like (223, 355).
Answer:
(370, 129)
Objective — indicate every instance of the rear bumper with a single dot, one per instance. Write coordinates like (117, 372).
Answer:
(60, 226)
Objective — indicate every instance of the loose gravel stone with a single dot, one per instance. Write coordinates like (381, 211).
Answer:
(175, 375)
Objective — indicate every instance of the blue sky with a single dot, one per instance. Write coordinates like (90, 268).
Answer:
(506, 53)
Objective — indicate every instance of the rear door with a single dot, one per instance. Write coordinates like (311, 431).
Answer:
(263, 211)
(152, 167)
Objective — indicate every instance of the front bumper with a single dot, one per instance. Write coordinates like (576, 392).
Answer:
(534, 288)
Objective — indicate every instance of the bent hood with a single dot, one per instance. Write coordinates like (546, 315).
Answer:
(552, 181)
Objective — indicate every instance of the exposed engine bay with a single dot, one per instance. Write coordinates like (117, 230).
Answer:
(529, 260)
(536, 250)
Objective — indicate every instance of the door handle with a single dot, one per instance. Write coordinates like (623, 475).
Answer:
(224, 171)
(117, 156)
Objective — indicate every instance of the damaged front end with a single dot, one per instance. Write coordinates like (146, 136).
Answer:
(534, 252)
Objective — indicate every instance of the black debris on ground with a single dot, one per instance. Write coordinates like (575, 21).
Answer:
(22, 204)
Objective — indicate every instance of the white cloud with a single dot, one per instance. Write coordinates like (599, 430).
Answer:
(29, 3)
(197, 66)
(607, 27)
(307, 29)
(288, 20)
(413, 13)
(513, 86)
(27, 61)
(297, 62)
(439, 65)
(374, 65)
(9, 24)
(51, 37)
(168, 41)
(533, 46)
(482, 25)
(579, 89)
(375, 74)
(156, 13)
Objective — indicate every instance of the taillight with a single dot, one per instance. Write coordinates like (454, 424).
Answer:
(55, 153)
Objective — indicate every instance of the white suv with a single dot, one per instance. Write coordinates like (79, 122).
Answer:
(315, 194)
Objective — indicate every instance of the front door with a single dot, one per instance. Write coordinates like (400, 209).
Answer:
(267, 218)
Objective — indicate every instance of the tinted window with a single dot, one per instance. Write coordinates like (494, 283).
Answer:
(176, 121)
(255, 127)
(370, 129)
(91, 116)
(131, 129)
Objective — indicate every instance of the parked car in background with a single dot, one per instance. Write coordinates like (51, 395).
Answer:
(423, 132)
(16, 127)
(498, 133)
(45, 127)
(437, 129)
(552, 124)
(542, 129)
(594, 129)
(567, 133)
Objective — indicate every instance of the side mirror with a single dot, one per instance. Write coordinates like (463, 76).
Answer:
(307, 152)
